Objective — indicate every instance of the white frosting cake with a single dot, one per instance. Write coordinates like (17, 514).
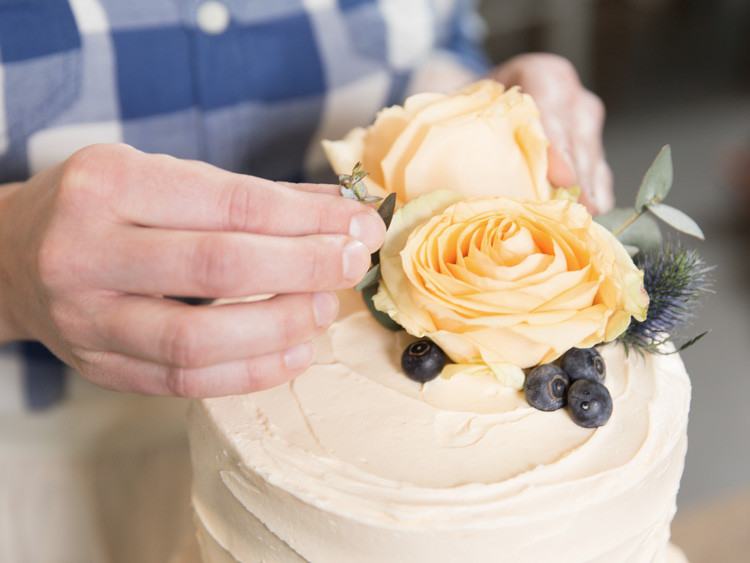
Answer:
(353, 461)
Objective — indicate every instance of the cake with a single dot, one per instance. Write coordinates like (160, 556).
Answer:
(354, 462)
(358, 459)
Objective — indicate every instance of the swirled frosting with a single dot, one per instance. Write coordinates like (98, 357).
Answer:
(352, 461)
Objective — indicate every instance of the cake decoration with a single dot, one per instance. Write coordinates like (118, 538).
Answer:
(549, 387)
(506, 283)
(351, 185)
(423, 360)
(589, 403)
(355, 461)
(584, 363)
(451, 141)
(675, 277)
(546, 387)
(509, 276)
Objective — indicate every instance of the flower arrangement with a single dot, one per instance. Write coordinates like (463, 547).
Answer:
(497, 271)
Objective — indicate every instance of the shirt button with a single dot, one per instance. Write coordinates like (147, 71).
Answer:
(212, 17)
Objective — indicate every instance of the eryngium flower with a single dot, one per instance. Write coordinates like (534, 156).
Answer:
(675, 278)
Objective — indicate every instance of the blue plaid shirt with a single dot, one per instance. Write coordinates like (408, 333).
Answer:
(250, 86)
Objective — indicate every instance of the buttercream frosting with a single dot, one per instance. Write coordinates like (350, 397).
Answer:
(352, 461)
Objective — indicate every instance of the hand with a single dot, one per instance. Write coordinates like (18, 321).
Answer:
(90, 247)
(573, 119)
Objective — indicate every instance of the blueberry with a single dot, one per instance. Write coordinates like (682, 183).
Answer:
(589, 403)
(546, 387)
(584, 363)
(423, 360)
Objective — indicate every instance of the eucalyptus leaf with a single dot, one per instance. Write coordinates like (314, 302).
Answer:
(348, 192)
(643, 233)
(372, 277)
(387, 208)
(657, 181)
(360, 190)
(612, 220)
(676, 219)
(380, 316)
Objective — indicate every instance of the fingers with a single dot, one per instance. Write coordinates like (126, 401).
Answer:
(114, 229)
(238, 377)
(576, 154)
(162, 191)
(326, 189)
(161, 347)
(561, 172)
(222, 264)
(576, 139)
(602, 197)
(175, 335)
(588, 153)
(573, 119)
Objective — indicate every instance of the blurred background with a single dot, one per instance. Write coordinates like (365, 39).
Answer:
(677, 72)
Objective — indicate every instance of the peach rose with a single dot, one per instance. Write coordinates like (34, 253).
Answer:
(481, 141)
(506, 283)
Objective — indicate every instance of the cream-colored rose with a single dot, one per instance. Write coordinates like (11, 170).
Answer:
(502, 281)
(481, 141)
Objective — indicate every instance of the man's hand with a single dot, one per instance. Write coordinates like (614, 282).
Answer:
(90, 247)
(573, 119)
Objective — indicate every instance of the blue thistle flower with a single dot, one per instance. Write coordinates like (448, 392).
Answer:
(675, 278)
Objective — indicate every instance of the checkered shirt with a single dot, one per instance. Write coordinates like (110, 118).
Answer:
(254, 93)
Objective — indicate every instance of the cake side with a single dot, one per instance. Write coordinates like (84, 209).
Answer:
(354, 461)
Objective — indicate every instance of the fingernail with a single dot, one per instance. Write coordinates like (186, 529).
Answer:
(369, 229)
(325, 308)
(299, 356)
(355, 261)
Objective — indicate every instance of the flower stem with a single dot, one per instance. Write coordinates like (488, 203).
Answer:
(627, 223)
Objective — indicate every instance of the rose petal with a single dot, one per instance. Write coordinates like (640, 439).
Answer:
(483, 140)
(452, 282)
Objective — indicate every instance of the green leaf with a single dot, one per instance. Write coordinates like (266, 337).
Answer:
(642, 233)
(676, 219)
(613, 219)
(351, 185)
(657, 181)
(380, 316)
(358, 173)
(385, 211)
(372, 277)
(387, 208)
(657, 346)
(692, 341)
(360, 189)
